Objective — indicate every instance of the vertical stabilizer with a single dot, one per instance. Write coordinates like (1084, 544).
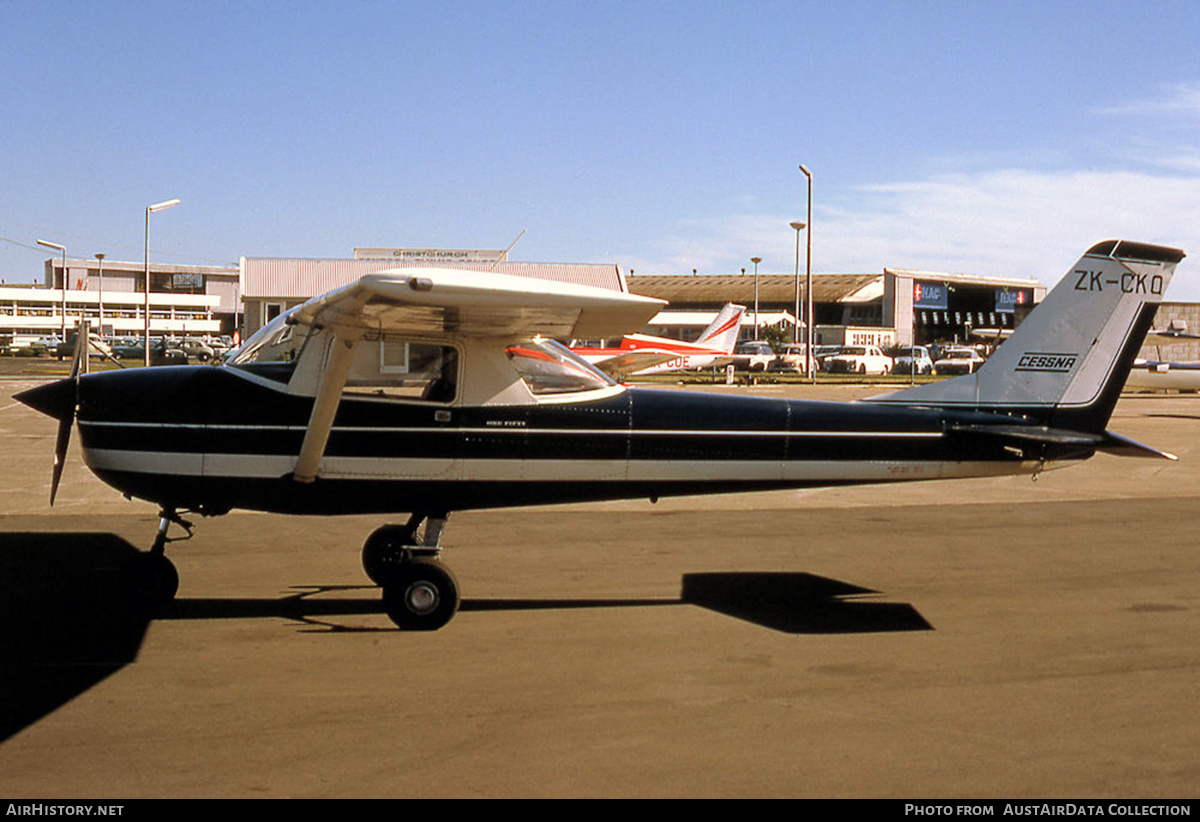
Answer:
(722, 333)
(1068, 360)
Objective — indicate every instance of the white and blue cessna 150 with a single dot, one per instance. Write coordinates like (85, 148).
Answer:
(429, 391)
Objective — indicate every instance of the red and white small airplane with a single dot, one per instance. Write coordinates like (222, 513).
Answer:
(1162, 375)
(641, 354)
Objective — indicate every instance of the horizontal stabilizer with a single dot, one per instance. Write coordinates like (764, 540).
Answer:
(1032, 433)
(1125, 447)
(1108, 442)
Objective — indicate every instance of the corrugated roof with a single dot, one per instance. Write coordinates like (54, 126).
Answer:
(300, 278)
(772, 288)
(965, 279)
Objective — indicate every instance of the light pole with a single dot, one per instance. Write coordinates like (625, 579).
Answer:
(152, 209)
(100, 279)
(63, 249)
(808, 289)
(756, 261)
(796, 328)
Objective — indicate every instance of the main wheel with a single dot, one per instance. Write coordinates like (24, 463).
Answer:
(421, 595)
(383, 552)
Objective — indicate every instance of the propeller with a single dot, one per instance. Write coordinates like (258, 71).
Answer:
(66, 421)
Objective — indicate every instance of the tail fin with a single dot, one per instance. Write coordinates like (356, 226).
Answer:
(722, 333)
(1068, 360)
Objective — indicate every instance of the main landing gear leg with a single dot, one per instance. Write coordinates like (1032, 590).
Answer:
(148, 577)
(419, 592)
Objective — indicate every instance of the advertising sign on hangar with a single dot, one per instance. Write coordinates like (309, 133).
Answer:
(931, 295)
(1007, 299)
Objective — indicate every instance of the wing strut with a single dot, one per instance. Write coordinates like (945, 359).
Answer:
(329, 394)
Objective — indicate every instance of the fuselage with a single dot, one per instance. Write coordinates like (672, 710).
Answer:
(1157, 375)
(217, 438)
(685, 356)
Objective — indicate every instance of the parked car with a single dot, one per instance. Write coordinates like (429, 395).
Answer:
(167, 352)
(859, 359)
(959, 361)
(753, 355)
(914, 359)
(824, 352)
(198, 348)
(127, 348)
(24, 345)
(162, 351)
(789, 361)
(96, 346)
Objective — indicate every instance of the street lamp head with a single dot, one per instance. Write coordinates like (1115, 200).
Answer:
(804, 170)
(100, 256)
(756, 260)
(797, 225)
(49, 244)
(163, 206)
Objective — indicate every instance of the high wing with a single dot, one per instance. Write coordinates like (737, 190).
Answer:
(436, 302)
(440, 302)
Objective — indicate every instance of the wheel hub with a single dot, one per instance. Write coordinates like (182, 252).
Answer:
(422, 597)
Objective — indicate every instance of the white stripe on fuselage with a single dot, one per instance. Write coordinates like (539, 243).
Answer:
(523, 431)
(265, 466)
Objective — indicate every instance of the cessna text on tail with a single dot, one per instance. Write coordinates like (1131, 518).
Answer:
(429, 391)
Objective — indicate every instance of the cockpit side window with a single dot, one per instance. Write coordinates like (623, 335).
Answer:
(404, 369)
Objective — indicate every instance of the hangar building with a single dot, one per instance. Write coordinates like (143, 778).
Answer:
(898, 306)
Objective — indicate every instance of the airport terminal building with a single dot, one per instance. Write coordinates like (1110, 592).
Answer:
(184, 300)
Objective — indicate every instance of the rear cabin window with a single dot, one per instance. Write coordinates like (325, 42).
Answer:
(549, 368)
(404, 369)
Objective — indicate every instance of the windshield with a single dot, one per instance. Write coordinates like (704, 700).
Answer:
(272, 351)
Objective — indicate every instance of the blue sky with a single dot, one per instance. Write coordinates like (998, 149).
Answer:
(992, 138)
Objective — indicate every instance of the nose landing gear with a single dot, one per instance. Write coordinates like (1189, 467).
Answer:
(148, 579)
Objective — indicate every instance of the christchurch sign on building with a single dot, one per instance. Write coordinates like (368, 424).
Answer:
(432, 255)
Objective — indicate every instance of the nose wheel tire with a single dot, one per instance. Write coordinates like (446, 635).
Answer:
(149, 581)
(420, 595)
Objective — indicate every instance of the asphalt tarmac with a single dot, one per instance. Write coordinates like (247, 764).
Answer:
(995, 638)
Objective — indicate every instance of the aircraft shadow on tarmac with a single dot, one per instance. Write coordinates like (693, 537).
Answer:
(65, 627)
(68, 626)
(796, 603)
